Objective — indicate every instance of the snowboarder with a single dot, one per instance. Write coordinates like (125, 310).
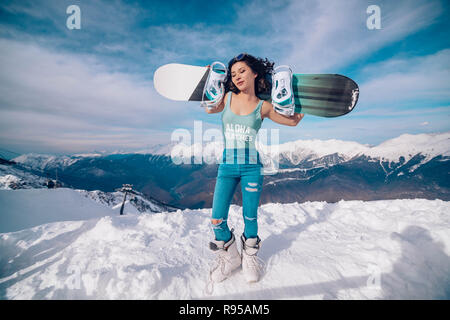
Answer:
(242, 116)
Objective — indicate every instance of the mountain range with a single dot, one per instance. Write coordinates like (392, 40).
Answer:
(183, 176)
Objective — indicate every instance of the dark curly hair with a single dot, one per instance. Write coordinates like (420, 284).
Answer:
(262, 67)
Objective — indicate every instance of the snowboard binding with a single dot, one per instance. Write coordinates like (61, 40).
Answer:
(214, 87)
(282, 91)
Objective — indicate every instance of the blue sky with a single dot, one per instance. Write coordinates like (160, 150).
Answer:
(71, 91)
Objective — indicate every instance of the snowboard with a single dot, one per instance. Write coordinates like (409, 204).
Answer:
(323, 95)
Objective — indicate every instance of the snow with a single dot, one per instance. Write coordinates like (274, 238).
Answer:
(385, 249)
(43, 161)
(430, 145)
(407, 145)
(73, 244)
(26, 208)
(13, 178)
(7, 180)
(115, 199)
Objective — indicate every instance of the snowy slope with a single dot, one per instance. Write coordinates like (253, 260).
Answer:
(313, 250)
(136, 202)
(27, 208)
(62, 203)
(16, 178)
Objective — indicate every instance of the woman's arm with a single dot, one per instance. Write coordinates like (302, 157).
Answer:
(269, 112)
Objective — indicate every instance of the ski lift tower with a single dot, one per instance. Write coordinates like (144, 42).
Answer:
(125, 188)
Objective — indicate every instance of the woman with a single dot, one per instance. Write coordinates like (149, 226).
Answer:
(243, 113)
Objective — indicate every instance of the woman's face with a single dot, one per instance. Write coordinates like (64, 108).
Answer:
(243, 76)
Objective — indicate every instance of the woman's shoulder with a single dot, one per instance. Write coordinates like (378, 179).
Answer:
(227, 95)
(266, 107)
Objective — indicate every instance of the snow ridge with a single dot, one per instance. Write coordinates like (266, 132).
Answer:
(406, 146)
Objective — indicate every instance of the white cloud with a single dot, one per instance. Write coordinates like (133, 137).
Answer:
(100, 16)
(373, 130)
(34, 132)
(71, 100)
(407, 79)
(79, 95)
(324, 35)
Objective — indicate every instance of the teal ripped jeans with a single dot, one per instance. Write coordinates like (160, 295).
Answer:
(228, 177)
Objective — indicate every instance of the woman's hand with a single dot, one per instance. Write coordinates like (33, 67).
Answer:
(269, 112)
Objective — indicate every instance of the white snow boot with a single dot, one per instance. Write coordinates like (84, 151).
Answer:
(282, 91)
(252, 266)
(214, 89)
(227, 260)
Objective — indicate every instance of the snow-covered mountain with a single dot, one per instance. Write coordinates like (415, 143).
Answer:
(405, 146)
(135, 203)
(47, 162)
(410, 166)
(390, 249)
(12, 177)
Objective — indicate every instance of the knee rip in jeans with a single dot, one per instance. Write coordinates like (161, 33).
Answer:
(217, 223)
(251, 187)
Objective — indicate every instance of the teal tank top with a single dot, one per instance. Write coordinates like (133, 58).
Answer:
(239, 133)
